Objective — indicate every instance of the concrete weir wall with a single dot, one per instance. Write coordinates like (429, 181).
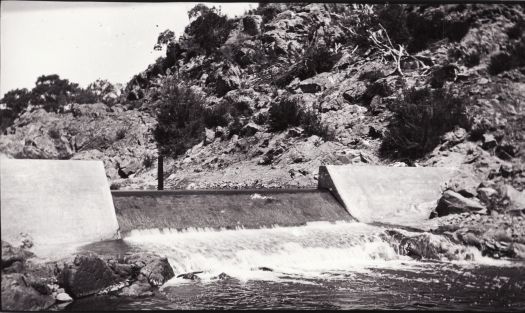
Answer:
(384, 194)
(56, 201)
(224, 208)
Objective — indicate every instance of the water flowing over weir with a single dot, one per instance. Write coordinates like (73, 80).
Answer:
(228, 209)
(320, 265)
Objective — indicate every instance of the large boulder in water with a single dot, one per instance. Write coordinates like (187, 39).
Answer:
(156, 269)
(19, 295)
(87, 275)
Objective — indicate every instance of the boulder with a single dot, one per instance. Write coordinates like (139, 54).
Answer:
(63, 297)
(19, 295)
(153, 268)
(87, 275)
(488, 141)
(464, 183)
(515, 200)
(486, 194)
(250, 129)
(518, 250)
(91, 110)
(190, 276)
(453, 203)
(506, 150)
(12, 255)
(454, 137)
(209, 136)
(137, 289)
(158, 271)
(129, 167)
(429, 246)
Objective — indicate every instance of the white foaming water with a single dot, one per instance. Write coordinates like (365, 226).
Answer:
(313, 250)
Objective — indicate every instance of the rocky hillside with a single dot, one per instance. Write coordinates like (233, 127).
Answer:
(347, 71)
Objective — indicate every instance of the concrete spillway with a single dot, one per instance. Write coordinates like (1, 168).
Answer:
(56, 202)
(224, 208)
(385, 194)
(69, 202)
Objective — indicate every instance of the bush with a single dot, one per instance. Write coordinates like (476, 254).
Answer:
(283, 114)
(114, 186)
(312, 125)
(288, 112)
(515, 31)
(148, 161)
(209, 30)
(420, 118)
(53, 133)
(316, 59)
(505, 61)
(180, 117)
(121, 133)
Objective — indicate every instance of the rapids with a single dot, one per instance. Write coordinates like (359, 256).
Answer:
(342, 265)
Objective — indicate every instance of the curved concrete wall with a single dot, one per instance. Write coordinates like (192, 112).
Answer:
(56, 201)
(385, 194)
(224, 208)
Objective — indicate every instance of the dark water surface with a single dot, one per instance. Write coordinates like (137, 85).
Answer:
(319, 266)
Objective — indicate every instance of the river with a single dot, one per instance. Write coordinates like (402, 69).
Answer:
(322, 265)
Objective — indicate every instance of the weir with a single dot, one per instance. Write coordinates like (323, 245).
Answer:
(224, 208)
(58, 202)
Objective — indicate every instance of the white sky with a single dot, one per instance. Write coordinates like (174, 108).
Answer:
(88, 40)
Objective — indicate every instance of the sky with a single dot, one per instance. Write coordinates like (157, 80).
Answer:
(88, 40)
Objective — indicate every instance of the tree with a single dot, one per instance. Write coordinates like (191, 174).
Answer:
(209, 29)
(180, 118)
(15, 102)
(165, 39)
(53, 93)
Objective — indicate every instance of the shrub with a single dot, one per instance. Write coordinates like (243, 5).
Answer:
(312, 125)
(283, 114)
(288, 112)
(500, 62)
(515, 31)
(318, 58)
(148, 161)
(217, 115)
(235, 127)
(114, 186)
(53, 133)
(420, 118)
(209, 30)
(505, 61)
(180, 117)
(121, 133)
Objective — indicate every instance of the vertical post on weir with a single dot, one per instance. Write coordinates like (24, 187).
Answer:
(160, 173)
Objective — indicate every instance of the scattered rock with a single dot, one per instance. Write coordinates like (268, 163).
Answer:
(190, 276)
(137, 289)
(489, 141)
(87, 275)
(453, 203)
(11, 255)
(63, 297)
(158, 271)
(515, 199)
(19, 295)
(486, 194)
(250, 129)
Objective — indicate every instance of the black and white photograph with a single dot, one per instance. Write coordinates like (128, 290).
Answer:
(262, 155)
